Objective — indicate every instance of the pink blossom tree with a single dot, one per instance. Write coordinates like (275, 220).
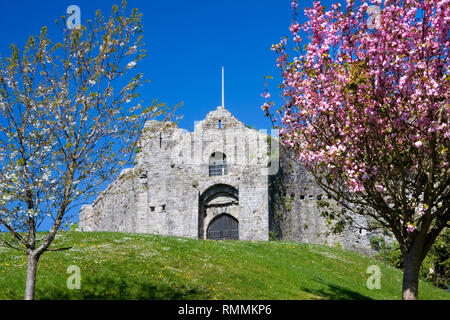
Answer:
(366, 110)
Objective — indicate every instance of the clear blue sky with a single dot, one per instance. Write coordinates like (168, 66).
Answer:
(187, 42)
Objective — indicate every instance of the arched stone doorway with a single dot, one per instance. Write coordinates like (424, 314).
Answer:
(223, 227)
(219, 211)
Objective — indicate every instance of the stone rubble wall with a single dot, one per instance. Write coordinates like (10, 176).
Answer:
(110, 212)
(169, 190)
(295, 214)
(171, 174)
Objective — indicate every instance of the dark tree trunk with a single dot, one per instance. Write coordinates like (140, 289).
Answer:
(33, 258)
(412, 261)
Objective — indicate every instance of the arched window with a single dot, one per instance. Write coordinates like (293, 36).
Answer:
(217, 164)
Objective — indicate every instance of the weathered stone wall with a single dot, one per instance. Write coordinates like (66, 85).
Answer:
(169, 190)
(246, 160)
(295, 214)
(110, 212)
(163, 193)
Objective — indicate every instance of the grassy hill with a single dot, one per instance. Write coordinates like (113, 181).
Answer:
(142, 266)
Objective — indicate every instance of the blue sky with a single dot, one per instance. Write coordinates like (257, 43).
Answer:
(188, 42)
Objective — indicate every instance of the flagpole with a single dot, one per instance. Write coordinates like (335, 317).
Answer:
(223, 94)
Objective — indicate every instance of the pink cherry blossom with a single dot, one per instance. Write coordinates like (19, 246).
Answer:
(376, 84)
(366, 110)
(410, 228)
(295, 27)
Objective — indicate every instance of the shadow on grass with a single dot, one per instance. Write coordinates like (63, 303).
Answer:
(109, 288)
(336, 292)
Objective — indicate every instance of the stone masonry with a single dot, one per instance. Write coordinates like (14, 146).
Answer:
(217, 178)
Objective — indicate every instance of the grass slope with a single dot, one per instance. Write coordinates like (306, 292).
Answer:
(142, 266)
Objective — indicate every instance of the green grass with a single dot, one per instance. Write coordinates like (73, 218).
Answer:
(142, 266)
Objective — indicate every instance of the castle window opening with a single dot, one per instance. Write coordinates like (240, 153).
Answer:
(220, 124)
(217, 164)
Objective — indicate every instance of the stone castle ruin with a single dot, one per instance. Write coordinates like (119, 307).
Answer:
(221, 181)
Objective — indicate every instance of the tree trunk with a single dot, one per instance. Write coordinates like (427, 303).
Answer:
(31, 275)
(412, 261)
